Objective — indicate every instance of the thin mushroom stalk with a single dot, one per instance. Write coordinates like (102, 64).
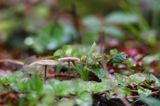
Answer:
(69, 66)
(45, 72)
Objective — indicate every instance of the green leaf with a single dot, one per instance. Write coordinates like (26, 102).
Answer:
(63, 88)
(84, 99)
(122, 18)
(130, 62)
(124, 90)
(84, 73)
(149, 58)
(52, 36)
(137, 78)
(150, 101)
(101, 87)
(92, 23)
(114, 32)
(144, 92)
(59, 53)
(92, 49)
(101, 74)
(36, 83)
(66, 102)
(113, 52)
(119, 58)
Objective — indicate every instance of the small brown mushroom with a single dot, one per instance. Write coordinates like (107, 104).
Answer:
(69, 59)
(45, 63)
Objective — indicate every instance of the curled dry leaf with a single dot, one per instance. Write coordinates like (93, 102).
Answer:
(11, 61)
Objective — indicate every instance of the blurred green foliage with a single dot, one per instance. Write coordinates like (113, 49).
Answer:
(35, 20)
(34, 92)
(48, 24)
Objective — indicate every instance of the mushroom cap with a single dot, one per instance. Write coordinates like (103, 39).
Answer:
(68, 58)
(11, 61)
(45, 62)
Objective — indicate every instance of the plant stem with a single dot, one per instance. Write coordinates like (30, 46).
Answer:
(75, 21)
(109, 77)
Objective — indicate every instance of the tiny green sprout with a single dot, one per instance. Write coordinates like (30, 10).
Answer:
(113, 52)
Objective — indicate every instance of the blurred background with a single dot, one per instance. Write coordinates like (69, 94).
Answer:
(39, 27)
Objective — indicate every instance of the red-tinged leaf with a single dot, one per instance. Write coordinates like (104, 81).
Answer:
(154, 63)
(130, 51)
(51, 72)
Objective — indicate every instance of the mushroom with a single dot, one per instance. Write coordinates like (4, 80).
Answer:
(45, 63)
(69, 59)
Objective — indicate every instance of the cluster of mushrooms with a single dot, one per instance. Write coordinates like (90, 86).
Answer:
(47, 63)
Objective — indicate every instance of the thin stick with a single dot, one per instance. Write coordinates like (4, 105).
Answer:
(137, 96)
(75, 21)
(45, 72)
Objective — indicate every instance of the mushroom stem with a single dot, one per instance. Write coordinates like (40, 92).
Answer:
(69, 66)
(45, 72)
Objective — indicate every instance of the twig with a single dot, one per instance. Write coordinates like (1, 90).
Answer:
(75, 21)
(137, 96)
(61, 76)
